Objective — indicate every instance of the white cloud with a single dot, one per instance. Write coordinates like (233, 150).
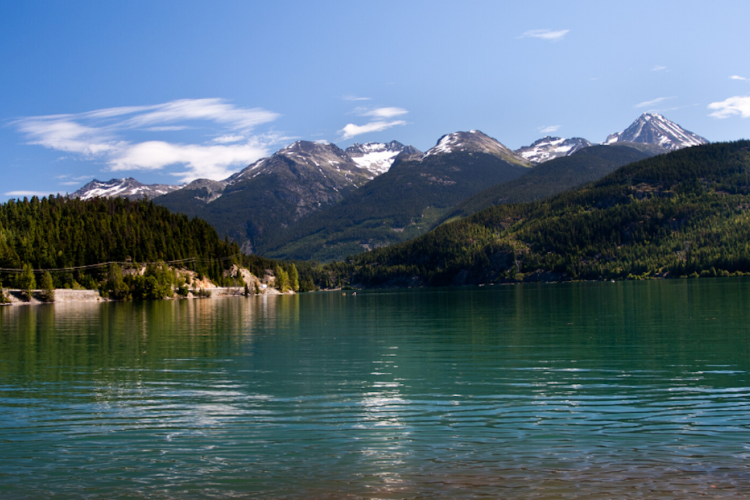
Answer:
(549, 129)
(211, 162)
(738, 105)
(737, 77)
(380, 122)
(658, 68)
(28, 193)
(355, 98)
(646, 104)
(553, 36)
(168, 128)
(352, 130)
(101, 135)
(227, 139)
(384, 112)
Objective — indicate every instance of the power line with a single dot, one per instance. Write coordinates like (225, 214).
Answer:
(125, 263)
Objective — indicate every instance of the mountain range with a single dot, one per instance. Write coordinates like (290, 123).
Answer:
(316, 201)
(681, 214)
(404, 202)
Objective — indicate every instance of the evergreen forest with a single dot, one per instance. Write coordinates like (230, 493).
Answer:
(684, 214)
(70, 243)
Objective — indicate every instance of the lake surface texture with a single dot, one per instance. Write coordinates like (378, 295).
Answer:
(588, 390)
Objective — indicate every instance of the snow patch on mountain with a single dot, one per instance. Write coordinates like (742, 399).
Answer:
(126, 188)
(377, 157)
(474, 141)
(549, 148)
(651, 128)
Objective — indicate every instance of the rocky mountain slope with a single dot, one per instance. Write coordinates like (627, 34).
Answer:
(655, 129)
(126, 188)
(378, 157)
(682, 214)
(256, 203)
(548, 148)
(557, 175)
(403, 202)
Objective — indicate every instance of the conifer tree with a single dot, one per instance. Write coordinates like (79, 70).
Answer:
(294, 278)
(48, 287)
(27, 281)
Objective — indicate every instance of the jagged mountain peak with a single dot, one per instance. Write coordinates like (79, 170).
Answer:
(378, 157)
(653, 128)
(473, 141)
(310, 147)
(126, 188)
(549, 148)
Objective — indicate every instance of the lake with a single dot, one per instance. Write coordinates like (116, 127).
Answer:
(579, 390)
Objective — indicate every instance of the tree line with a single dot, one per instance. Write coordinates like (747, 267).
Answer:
(53, 240)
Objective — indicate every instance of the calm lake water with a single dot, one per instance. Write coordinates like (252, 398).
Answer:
(588, 390)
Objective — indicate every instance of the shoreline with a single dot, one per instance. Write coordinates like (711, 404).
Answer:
(66, 296)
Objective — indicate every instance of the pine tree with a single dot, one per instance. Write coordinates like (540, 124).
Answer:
(48, 287)
(27, 281)
(294, 278)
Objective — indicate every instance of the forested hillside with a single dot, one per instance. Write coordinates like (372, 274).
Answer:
(682, 214)
(56, 232)
(555, 176)
(396, 206)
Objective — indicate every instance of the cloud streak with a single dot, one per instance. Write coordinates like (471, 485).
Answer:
(738, 105)
(385, 112)
(646, 104)
(549, 129)
(102, 135)
(381, 121)
(28, 193)
(737, 77)
(549, 35)
(352, 130)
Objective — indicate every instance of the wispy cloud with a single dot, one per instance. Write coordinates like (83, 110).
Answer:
(658, 68)
(738, 105)
(549, 129)
(646, 104)
(384, 112)
(737, 77)
(102, 135)
(28, 193)
(380, 122)
(352, 130)
(551, 35)
(355, 98)
(227, 139)
(172, 128)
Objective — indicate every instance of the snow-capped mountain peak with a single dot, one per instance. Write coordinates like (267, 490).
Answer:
(653, 128)
(377, 157)
(549, 148)
(126, 188)
(473, 141)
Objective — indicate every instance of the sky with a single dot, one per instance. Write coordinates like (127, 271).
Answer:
(171, 91)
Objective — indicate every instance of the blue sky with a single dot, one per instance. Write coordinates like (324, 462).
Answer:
(171, 91)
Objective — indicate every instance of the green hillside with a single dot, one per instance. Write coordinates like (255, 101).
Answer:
(555, 176)
(686, 213)
(396, 206)
(57, 232)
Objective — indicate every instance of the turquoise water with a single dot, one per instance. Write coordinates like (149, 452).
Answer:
(588, 390)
